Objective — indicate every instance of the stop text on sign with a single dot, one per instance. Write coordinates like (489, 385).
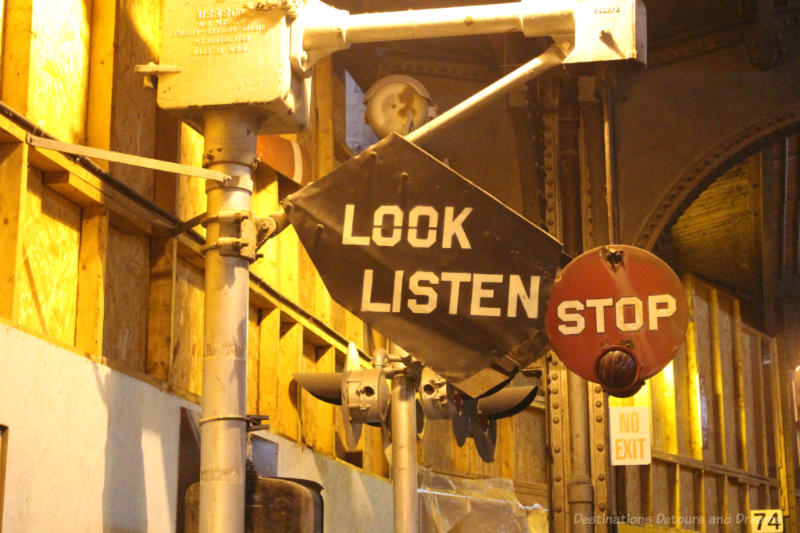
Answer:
(422, 291)
(630, 313)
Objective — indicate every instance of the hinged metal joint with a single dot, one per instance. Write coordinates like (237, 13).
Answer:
(252, 234)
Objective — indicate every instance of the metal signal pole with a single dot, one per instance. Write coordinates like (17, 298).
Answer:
(230, 147)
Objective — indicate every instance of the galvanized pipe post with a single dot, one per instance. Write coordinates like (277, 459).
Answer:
(580, 491)
(404, 454)
(230, 147)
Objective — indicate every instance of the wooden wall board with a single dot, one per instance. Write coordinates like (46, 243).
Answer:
(374, 460)
(702, 320)
(752, 404)
(317, 417)
(90, 314)
(687, 499)
(134, 106)
(191, 192)
(50, 246)
(16, 79)
(161, 306)
(531, 464)
(45, 75)
(436, 448)
(288, 397)
(265, 202)
(128, 281)
(186, 368)
(728, 381)
(13, 193)
(253, 360)
(101, 74)
(661, 489)
(269, 336)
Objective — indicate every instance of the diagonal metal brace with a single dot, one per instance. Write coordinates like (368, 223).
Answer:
(125, 159)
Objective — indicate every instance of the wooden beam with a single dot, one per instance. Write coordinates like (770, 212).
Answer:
(101, 75)
(318, 416)
(13, 189)
(287, 419)
(269, 335)
(92, 282)
(161, 317)
(17, 54)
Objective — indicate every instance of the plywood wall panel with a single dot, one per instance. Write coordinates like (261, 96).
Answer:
(661, 489)
(682, 385)
(127, 290)
(751, 403)
(702, 320)
(688, 496)
(133, 113)
(50, 246)
(531, 458)
(253, 366)
(187, 352)
(191, 192)
(728, 374)
(59, 67)
(269, 334)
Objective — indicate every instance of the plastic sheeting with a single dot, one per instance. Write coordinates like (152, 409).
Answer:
(451, 504)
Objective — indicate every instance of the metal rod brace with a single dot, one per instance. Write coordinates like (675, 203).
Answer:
(125, 159)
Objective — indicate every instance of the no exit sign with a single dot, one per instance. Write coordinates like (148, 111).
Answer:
(629, 432)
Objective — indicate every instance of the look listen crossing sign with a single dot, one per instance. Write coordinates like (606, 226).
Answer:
(430, 260)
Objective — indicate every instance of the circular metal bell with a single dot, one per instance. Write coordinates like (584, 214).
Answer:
(433, 395)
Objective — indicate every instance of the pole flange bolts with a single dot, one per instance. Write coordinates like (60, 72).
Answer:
(241, 245)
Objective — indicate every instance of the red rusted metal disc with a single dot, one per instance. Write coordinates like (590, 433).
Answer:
(617, 296)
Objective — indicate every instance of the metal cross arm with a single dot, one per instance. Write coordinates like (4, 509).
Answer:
(602, 30)
(125, 159)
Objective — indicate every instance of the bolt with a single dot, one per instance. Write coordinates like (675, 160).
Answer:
(404, 176)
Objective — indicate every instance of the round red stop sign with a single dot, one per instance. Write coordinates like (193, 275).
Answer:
(619, 302)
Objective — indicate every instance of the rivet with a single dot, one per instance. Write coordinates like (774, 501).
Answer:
(600, 447)
(554, 376)
(555, 420)
(555, 406)
(602, 507)
(554, 390)
(558, 479)
(404, 175)
(557, 449)
(598, 403)
(601, 477)
(599, 418)
(597, 389)
(558, 509)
